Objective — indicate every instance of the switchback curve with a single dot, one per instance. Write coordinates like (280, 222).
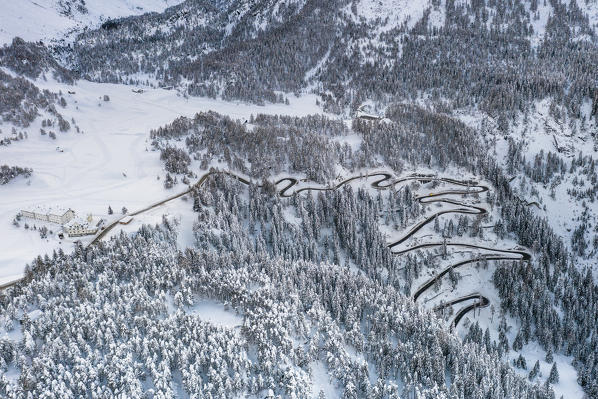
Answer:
(481, 303)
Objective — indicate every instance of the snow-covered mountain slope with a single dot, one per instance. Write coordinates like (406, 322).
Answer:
(137, 318)
(107, 162)
(448, 171)
(402, 47)
(550, 158)
(391, 14)
(53, 20)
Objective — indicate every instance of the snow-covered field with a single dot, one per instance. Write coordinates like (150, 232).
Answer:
(109, 164)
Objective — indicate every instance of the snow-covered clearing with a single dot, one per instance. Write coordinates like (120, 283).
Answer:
(321, 381)
(567, 385)
(110, 163)
(539, 20)
(216, 313)
(397, 11)
(590, 7)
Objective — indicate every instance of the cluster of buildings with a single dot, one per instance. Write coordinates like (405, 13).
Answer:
(72, 225)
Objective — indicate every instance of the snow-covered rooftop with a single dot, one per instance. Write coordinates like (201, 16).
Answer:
(47, 209)
(80, 222)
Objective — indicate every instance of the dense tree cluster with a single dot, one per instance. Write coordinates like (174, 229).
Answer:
(22, 101)
(7, 173)
(193, 43)
(265, 146)
(32, 60)
(336, 226)
(121, 322)
(175, 160)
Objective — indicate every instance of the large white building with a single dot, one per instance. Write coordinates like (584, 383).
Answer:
(80, 227)
(53, 215)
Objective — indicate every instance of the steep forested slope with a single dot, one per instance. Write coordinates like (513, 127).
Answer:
(119, 320)
(483, 54)
(550, 286)
(22, 100)
(304, 270)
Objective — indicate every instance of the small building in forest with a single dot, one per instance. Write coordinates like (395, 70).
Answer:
(126, 220)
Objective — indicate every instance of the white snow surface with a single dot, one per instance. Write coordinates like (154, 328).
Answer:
(539, 20)
(215, 312)
(397, 11)
(321, 381)
(34, 20)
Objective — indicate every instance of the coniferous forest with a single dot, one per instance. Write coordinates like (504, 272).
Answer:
(315, 199)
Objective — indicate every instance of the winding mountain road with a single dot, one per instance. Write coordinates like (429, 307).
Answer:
(482, 302)
(498, 254)
(385, 176)
(472, 187)
(429, 283)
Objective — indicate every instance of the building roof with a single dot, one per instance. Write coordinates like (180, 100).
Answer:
(48, 209)
(126, 220)
(79, 221)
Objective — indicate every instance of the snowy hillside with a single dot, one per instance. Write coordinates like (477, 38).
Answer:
(550, 157)
(226, 328)
(54, 20)
(299, 199)
(108, 162)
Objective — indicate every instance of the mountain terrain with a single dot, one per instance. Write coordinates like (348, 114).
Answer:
(300, 199)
